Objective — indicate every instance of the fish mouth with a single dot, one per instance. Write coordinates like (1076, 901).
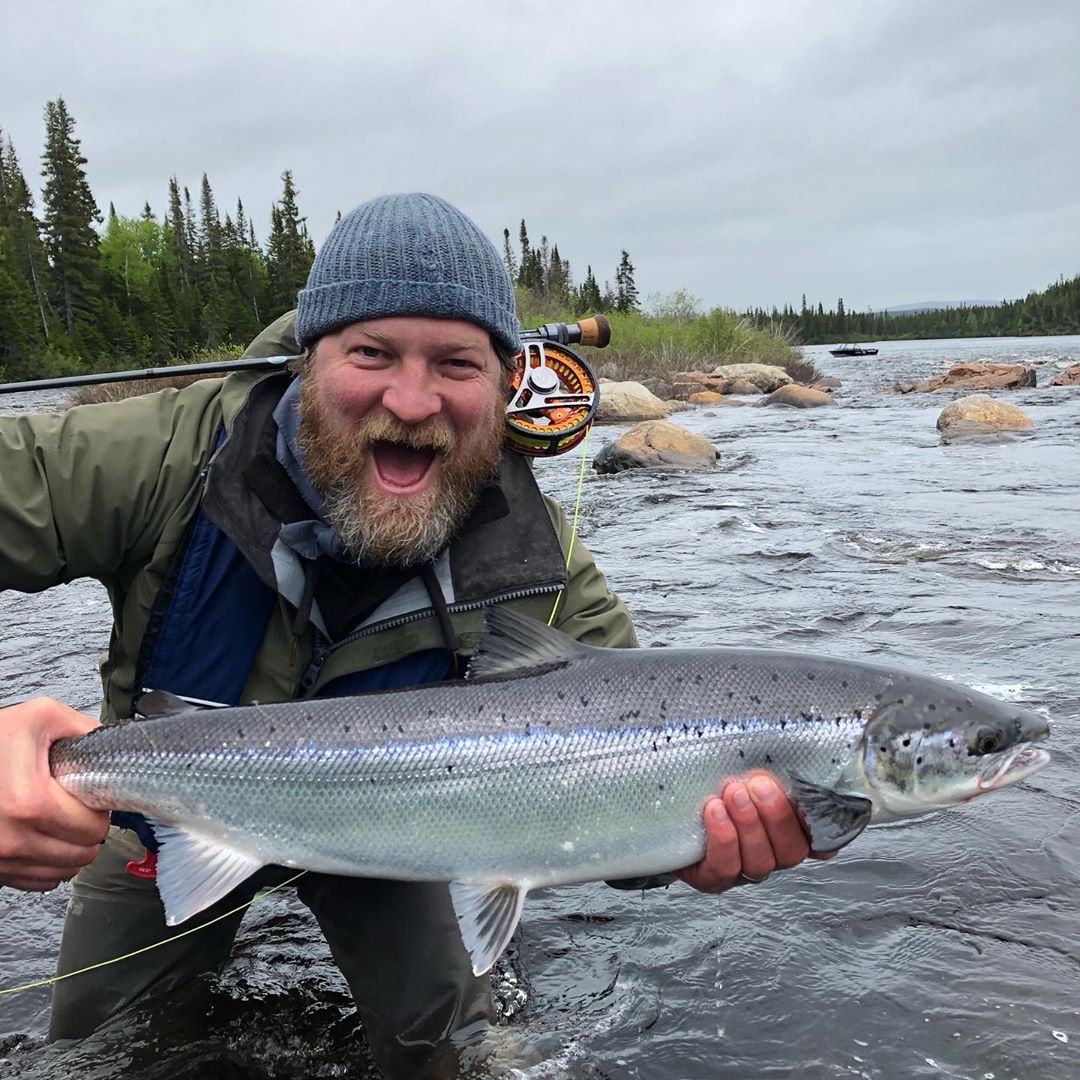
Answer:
(1012, 767)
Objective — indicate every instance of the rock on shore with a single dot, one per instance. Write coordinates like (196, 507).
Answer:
(764, 377)
(623, 401)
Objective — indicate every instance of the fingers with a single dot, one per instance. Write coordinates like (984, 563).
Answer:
(46, 834)
(751, 830)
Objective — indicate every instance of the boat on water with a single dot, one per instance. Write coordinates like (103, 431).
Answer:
(852, 350)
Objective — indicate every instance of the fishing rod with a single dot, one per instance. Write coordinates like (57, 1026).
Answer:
(555, 393)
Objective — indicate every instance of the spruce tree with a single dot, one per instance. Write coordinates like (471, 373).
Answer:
(626, 294)
(70, 239)
(21, 238)
(289, 251)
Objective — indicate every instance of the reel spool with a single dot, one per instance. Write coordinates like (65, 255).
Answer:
(555, 392)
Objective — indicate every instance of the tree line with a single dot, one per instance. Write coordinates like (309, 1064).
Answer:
(1053, 310)
(81, 290)
(75, 297)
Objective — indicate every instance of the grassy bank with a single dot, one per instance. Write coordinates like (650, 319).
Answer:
(654, 345)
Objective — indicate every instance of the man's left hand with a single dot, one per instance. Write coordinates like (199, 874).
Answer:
(751, 830)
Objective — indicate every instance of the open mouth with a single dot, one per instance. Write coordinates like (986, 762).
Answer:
(1011, 767)
(401, 469)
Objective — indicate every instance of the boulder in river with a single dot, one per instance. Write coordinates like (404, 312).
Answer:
(798, 397)
(621, 401)
(980, 414)
(765, 377)
(977, 376)
(656, 444)
(709, 397)
(1068, 377)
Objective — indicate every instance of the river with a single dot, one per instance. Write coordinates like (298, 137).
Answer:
(947, 947)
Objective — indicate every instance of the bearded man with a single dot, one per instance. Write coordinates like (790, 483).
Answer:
(326, 531)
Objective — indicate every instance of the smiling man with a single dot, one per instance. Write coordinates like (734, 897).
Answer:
(313, 533)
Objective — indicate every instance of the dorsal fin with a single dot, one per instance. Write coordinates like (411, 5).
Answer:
(514, 643)
(159, 703)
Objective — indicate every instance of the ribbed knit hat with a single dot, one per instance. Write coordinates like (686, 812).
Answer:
(407, 255)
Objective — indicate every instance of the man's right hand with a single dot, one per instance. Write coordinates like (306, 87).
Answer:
(46, 834)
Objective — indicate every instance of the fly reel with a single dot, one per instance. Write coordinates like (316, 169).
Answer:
(555, 393)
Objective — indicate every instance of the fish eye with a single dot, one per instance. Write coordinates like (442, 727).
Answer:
(987, 740)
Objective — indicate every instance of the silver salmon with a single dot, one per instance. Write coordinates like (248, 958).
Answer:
(552, 762)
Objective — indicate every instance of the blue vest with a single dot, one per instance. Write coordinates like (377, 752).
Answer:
(205, 629)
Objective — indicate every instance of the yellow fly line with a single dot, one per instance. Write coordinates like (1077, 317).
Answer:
(155, 945)
(295, 877)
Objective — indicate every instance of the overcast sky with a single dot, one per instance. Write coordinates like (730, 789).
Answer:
(746, 150)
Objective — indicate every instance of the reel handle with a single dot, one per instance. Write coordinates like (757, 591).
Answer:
(595, 331)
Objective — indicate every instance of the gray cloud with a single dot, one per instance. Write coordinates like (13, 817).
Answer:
(748, 152)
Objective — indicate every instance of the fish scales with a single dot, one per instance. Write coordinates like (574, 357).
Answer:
(552, 753)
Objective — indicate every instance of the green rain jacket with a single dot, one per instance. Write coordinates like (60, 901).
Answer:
(108, 491)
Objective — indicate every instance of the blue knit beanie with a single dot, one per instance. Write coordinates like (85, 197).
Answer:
(407, 255)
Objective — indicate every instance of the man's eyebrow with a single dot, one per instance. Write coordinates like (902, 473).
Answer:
(443, 347)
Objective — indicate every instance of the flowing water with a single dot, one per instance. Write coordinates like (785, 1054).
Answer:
(948, 947)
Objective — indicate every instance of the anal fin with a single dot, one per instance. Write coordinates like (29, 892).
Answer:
(830, 818)
(193, 873)
(487, 916)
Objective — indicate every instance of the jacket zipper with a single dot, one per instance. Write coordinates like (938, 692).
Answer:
(324, 650)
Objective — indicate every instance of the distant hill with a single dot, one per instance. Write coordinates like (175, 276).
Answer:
(936, 305)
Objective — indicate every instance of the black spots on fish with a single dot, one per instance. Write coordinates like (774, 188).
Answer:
(877, 697)
(699, 731)
(810, 676)
(401, 730)
(652, 678)
(723, 725)
(660, 786)
(584, 701)
(741, 754)
(528, 729)
(348, 728)
(385, 728)
(906, 741)
(686, 729)
(449, 768)
(783, 724)
(754, 699)
(775, 677)
(239, 732)
(843, 683)
(768, 759)
(858, 715)
(656, 749)
(667, 738)
(502, 717)
(698, 680)
(807, 717)
(835, 761)
(960, 709)
(952, 743)
(730, 694)
(931, 707)
(606, 680)
(884, 748)
(560, 695)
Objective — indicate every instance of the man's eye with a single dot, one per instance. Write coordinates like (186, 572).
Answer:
(370, 350)
(460, 363)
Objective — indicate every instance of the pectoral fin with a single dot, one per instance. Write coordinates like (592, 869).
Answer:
(193, 873)
(487, 916)
(831, 819)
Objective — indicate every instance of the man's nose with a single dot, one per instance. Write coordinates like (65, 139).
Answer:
(412, 396)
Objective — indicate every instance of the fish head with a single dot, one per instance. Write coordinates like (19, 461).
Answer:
(930, 743)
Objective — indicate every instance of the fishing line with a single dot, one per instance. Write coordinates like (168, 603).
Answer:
(574, 522)
(266, 892)
(156, 945)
